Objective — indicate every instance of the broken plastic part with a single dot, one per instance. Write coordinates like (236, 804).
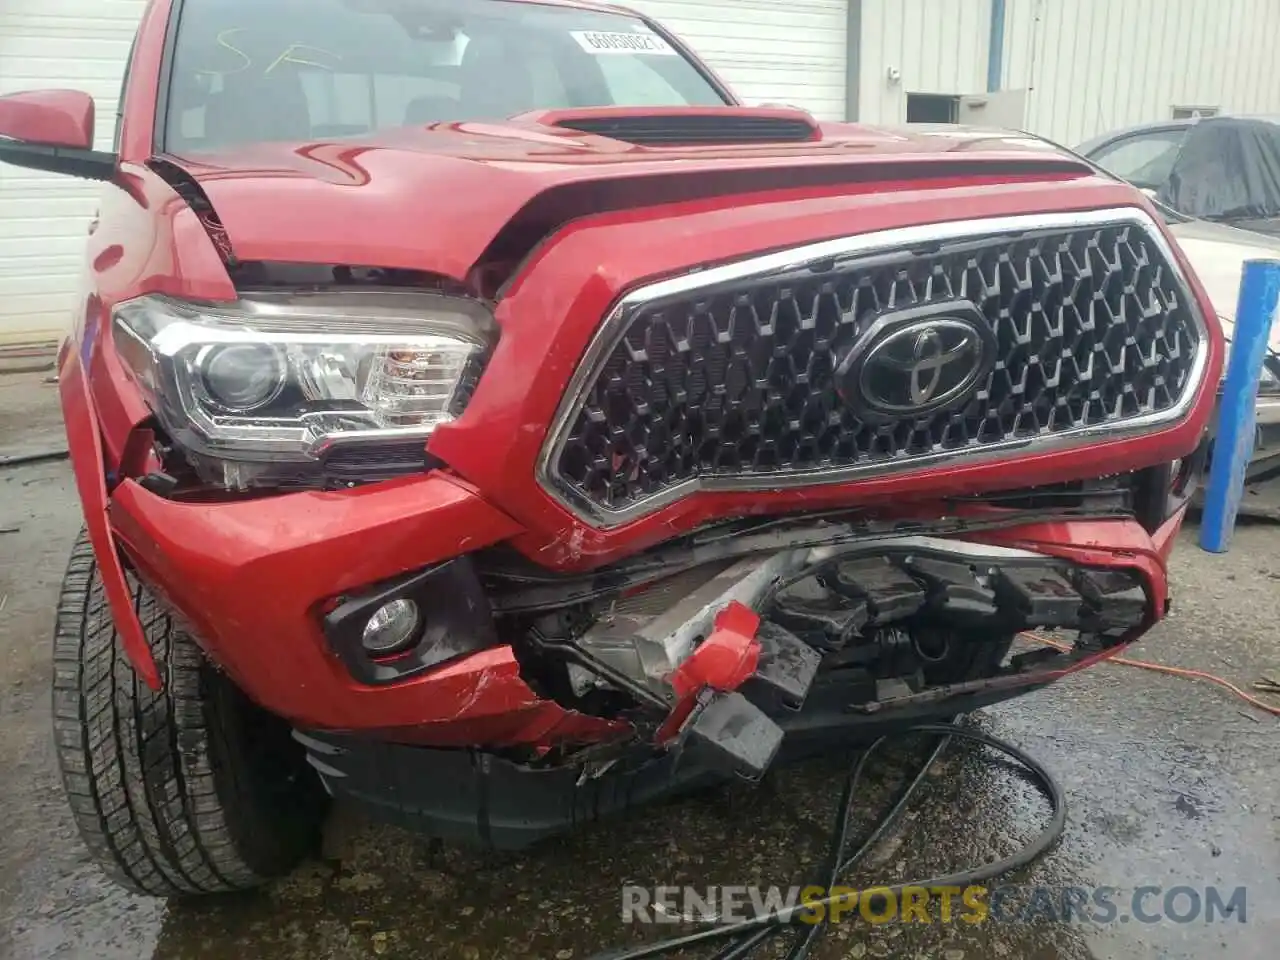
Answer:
(953, 588)
(819, 616)
(650, 648)
(735, 735)
(1042, 597)
(1114, 598)
(786, 670)
(889, 592)
(726, 658)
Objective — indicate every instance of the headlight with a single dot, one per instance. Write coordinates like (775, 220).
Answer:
(287, 379)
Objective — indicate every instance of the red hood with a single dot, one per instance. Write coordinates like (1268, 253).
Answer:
(434, 198)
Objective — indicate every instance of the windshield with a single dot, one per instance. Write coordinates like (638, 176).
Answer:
(245, 71)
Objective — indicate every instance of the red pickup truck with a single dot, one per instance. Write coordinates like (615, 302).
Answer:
(478, 412)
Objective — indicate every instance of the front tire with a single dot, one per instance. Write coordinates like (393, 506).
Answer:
(186, 791)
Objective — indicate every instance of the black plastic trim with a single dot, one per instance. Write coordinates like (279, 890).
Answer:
(1152, 489)
(456, 620)
(674, 130)
(494, 803)
(548, 212)
(69, 161)
(165, 84)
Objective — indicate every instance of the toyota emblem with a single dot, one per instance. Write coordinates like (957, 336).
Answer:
(916, 361)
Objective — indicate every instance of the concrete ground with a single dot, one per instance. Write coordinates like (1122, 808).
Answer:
(1170, 783)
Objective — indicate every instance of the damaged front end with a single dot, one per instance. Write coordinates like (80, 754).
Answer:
(726, 654)
(750, 642)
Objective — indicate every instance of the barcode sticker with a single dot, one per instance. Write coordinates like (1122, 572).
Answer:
(603, 44)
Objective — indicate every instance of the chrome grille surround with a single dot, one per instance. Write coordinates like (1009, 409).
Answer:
(839, 449)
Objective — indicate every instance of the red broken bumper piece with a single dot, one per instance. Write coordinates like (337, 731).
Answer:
(87, 461)
(722, 662)
(726, 658)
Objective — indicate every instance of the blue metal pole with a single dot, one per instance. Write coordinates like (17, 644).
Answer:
(1237, 423)
(995, 51)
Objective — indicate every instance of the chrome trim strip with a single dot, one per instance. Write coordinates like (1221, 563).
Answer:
(615, 325)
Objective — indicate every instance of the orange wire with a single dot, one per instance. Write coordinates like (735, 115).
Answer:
(1173, 672)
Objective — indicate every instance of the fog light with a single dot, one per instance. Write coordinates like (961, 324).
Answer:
(392, 628)
(406, 626)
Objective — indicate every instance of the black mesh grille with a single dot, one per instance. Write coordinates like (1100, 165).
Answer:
(1091, 327)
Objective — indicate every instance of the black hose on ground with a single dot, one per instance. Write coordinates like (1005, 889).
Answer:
(43, 456)
(747, 937)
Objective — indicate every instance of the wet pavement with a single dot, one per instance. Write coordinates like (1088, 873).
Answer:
(1171, 783)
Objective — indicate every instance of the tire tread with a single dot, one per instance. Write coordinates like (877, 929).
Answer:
(136, 763)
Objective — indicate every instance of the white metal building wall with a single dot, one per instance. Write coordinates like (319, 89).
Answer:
(1097, 65)
(936, 46)
(1088, 66)
(783, 51)
(82, 44)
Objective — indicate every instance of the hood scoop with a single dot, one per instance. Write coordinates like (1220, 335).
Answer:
(690, 126)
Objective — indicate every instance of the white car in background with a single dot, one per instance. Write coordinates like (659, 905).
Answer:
(1218, 254)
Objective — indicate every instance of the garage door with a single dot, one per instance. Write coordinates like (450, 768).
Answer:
(81, 44)
(782, 51)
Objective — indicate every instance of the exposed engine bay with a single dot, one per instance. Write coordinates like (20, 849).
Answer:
(728, 641)
(726, 650)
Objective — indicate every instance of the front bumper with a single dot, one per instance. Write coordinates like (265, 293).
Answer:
(783, 710)
(253, 579)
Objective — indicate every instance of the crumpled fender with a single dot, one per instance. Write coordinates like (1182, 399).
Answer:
(89, 467)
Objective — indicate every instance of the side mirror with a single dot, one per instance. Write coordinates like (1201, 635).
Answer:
(52, 130)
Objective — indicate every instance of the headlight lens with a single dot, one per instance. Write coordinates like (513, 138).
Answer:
(238, 378)
(289, 378)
